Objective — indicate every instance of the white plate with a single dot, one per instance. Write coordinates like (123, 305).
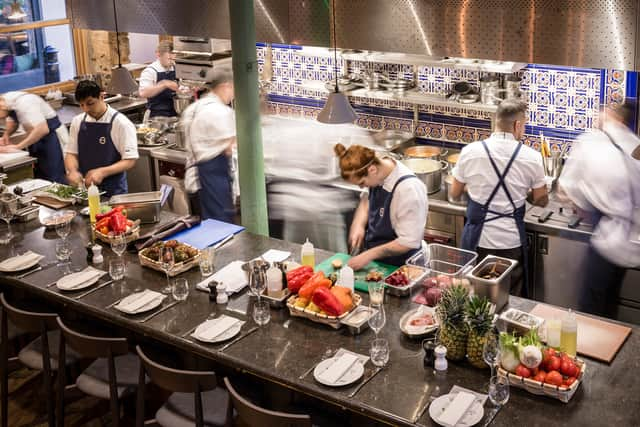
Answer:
(26, 266)
(228, 334)
(148, 306)
(417, 331)
(354, 373)
(472, 417)
(71, 277)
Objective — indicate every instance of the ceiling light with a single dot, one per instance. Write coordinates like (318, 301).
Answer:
(121, 79)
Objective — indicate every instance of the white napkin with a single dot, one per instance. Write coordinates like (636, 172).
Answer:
(338, 368)
(275, 255)
(232, 275)
(75, 280)
(210, 329)
(456, 409)
(21, 261)
(135, 302)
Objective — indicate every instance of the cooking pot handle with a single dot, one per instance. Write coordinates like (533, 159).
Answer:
(444, 165)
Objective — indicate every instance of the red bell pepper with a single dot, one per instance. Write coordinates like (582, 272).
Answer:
(295, 283)
(298, 271)
(323, 298)
(118, 222)
(110, 213)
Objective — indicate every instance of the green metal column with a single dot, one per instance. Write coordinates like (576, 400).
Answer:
(253, 194)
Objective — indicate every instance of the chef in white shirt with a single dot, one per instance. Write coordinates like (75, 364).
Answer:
(603, 176)
(389, 222)
(210, 132)
(158, 82)
(102, 144)
(46, 136)
(498, 174)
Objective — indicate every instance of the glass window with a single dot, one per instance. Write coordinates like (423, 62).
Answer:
(23, 11)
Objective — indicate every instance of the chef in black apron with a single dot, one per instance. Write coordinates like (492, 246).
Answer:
(158, 82)
(498, 173)
(389, 222)
(45, 134)
(102, 144)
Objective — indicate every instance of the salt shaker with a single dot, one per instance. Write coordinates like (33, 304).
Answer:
(222, 297)
(441, 361)
(97, 254)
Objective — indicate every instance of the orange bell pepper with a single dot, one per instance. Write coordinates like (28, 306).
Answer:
(318, 279)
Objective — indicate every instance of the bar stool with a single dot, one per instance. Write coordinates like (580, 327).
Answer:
(192, 391)
(252, 415)
(41, 354)
(112, 376)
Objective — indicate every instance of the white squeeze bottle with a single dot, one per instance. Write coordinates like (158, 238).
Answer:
(94, 202)
(307, 254)
(569, 334)
(274, 282)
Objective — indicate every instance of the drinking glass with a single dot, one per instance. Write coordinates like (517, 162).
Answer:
(7, 211)
(258, 282)
(376, 293)
(167, 262)
(261, 312)
(207, 257)
(378, 319)
(491, 351)
(118, 244)
(180, 289)
(499, 390)
(63, 250)
(116, 269)
(379, 352)
(63, 227)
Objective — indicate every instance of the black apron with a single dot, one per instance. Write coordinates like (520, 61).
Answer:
(162, 104)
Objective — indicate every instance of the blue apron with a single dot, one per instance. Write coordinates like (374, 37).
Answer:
(96, 149)
(216, 193)
(47, 150)
(477, 215)
(379, 229)
(162, 104)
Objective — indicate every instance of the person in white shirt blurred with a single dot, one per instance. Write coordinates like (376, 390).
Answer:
(158, 82)
(389, 222)
(498, 174)
(46, 136)
(210, 132)
(602, 175)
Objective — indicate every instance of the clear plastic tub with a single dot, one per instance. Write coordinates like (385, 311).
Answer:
(441, 259)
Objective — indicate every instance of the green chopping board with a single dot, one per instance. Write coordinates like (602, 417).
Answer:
(360, 284)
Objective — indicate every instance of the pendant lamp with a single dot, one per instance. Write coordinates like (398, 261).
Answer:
(121, 79)
(337, 109)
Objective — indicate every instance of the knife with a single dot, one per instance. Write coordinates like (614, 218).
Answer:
(82, 295)
(229, 344)
(353, 393)
(152, 315)
(20, 276)
(492, 414)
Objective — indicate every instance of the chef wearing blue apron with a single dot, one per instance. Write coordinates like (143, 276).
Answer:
(45, 134)
(158, 82)
(498, 174)
(102, 144)
(389, 222)
(210, 133)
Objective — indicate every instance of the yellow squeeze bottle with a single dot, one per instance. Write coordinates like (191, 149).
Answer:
(569, 334)
(307, 254)
(94, 202)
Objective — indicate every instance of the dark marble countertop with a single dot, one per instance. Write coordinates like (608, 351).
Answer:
(287, 346)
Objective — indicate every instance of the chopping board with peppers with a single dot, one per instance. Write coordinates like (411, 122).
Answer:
(360, 281)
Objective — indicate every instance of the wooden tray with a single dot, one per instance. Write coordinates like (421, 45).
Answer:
(51, 202)
(333, 321)
(562, 393)
(177, 269)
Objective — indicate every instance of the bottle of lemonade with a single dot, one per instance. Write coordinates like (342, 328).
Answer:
(94, 202)
(569, 334)
(307, 254)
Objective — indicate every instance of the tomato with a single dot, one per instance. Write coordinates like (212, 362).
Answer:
(569, 381)
(554, 363)
(540, 376)
(568, 368)
(554, 378)
(523, 371)
(546, 355)
(534, 371)
(104, 230)
(565, 356)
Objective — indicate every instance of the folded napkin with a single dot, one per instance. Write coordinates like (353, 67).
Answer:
(274, 255)
(232, 275)
(456, 409)
(76, 280)
(338, 368)
(21, 261)
(210, 329)
(134, 302)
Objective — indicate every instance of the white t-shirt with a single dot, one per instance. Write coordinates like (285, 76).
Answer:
(596, 179)
(474, 169)
(123, 133)
(208, 124)
(30, 109)
(409, 206)
(149, 76)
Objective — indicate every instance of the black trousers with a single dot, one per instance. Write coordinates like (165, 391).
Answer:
(517, 279)
(601, 285)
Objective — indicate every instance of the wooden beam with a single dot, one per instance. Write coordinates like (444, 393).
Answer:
(32, 25)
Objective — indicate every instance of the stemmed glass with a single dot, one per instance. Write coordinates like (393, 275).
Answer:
(378, 319)
(167, 261)
(491, 351)
(7, 211)
(63, 227)
(258, 282)
(118, 246)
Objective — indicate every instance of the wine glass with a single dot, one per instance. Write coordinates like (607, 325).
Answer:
(499, 390)
(491, 351)
(63, 226)
(118, 244)
(258, 282)
(167, 262)
(7, 211)
(180, 289)
(378, 319)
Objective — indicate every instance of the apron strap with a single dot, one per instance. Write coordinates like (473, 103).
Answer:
(501, 182)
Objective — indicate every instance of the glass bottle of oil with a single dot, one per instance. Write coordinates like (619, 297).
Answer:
(94, 202)
(307, 254)
(569, 334)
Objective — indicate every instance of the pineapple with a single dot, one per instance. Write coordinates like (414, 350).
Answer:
(478, 316)
(453, 328)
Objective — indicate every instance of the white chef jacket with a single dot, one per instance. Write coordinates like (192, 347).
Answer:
(208, 123)
(474, 169)
(149, 76)
(123, 133)
(33, 110)
(597, 177)
(409, 206)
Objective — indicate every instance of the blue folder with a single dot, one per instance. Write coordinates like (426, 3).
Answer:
(207, 233)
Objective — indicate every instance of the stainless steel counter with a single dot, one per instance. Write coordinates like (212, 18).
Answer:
(125, 104)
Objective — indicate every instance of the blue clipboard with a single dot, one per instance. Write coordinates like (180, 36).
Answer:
(207, 233)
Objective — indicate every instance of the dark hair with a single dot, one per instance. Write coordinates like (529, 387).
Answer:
(355, 161)
(86, 89)
(626, 111)
(508, 112)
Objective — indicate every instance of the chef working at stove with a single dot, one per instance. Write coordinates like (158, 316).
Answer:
(210, 132)
(389, 222)
(45, 135)
(498, 173)
(102, 143)
(158, 82)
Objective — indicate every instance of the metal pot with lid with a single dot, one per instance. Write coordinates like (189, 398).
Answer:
(429, 171)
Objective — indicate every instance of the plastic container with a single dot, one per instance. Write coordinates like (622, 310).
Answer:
(94, 202)
(346, 278)
(569, 334)
(554, 331)
(441, 259)
(274, 282)
(307, 254)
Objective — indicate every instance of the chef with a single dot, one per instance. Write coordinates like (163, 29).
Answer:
(602, 176)
(498, 173)
(102, 143)
(389, 222)
(210, 133)
(45, 137)
(158, 82)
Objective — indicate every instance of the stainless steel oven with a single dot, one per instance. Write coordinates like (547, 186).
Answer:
(196, 58)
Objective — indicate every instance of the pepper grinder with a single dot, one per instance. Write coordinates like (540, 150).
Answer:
(222, 297)
(212, 290)
(89, 248)
(97, 254)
